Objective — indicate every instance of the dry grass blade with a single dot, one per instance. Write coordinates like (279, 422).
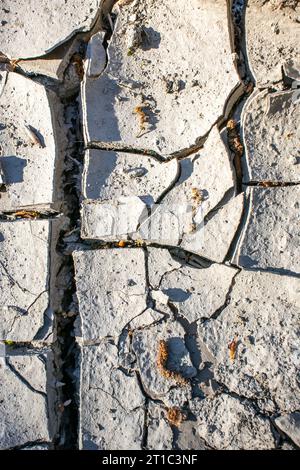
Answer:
(26, 214)
(232, 349)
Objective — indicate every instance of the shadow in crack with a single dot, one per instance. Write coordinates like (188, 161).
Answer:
(187, 167)
(239, 11)
(178, 357)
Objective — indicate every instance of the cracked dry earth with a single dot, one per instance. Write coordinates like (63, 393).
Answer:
(149, 224)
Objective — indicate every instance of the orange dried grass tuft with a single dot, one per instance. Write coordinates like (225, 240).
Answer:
(162, 359)
(175, 416)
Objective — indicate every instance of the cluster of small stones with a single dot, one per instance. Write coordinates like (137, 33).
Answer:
(149, 296)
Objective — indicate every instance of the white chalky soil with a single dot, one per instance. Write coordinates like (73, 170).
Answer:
(149, 224)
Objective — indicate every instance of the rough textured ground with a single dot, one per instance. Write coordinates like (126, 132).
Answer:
(149, 224)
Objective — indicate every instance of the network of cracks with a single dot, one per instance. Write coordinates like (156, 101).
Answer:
(149, 213)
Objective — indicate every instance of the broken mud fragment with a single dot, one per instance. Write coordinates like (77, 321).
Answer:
(145, 53)
(31, 164)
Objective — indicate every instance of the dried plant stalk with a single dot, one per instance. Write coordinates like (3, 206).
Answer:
(27, 214)
(33, 136)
